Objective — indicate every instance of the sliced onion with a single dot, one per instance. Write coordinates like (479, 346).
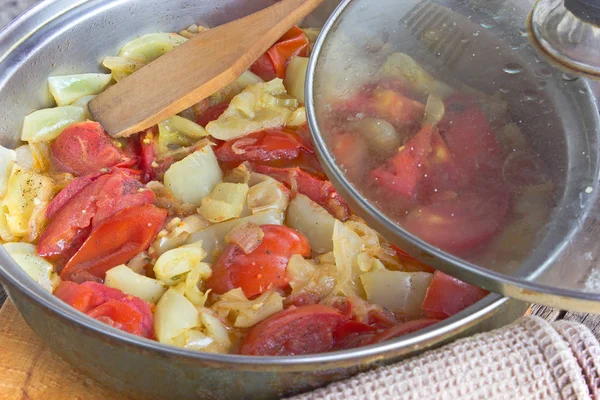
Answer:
(248, 236)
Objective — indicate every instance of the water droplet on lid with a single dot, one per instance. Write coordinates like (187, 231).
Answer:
(523, 32)
(476, 33)
(503, 89)
(544, 70)
(465, 40)
(530, 95)
(583, 91)
(512, 68)
(515, 46)
(542, 85)
(487, 26)
(569, 77)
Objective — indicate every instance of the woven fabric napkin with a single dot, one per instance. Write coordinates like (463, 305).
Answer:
(530, 359)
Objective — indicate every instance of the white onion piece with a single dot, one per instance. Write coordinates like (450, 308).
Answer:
(7, 159)
(213, 237)
(194, 177)
(401, 292)
(126, 280)
(247, 236)
(174, 315)
(313, 221)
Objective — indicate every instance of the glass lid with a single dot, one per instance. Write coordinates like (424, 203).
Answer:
(447, 127)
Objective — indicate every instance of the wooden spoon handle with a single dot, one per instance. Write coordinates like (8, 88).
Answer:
(195, 70)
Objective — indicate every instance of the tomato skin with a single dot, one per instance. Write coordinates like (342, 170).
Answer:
(117, 240)
(102, 197)
(407, 167)
(84, 148)
(469, 136)
(447, 296)
(293, 331)
(263, 146)
(212, 113)
(77, 296)
(272, 64)
(69, 192)
(462, 222)
(319, 191)
(109, 305)
(262, 269)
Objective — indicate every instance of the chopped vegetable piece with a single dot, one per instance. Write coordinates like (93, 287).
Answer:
(123, 278)
(194, 177)
(176, 131)
(294, 331)
(273, 63)
(260, 106)
(7, 160)
(295, 77)
(36, 267)
(313, 221)
(117, 240)
(399, 292)
(262, 269)
(226, 201)
(447, 296)
(68, 88)
(172, 266)
(319, 191)
(174, 315)
(88, 206)
(213, 237)
(263, 146)
(45, 125)
(27, 196)
(84, 148)
(110, 306)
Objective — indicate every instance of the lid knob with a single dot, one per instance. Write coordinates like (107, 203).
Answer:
(569, 33)
(586, 10)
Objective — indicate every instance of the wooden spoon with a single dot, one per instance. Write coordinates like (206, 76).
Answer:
(195, 70)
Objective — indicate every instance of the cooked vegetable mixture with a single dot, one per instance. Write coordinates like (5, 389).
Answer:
(218, 231)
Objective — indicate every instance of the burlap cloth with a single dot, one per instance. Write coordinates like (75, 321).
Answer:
(530, 359)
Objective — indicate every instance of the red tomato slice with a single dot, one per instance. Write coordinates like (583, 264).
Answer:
(84, 148)
(460, 222)
(469, 137)
(406, 168)
(294, 331)
(262, 269)
(351, 153)
(212, 113)
(447, 296)
(109, 305)
(117, 240)
(262, 146)
(79, 297)
(69, 192)
(349, 328)
(273, 63)
(319, 191)
(101, 198)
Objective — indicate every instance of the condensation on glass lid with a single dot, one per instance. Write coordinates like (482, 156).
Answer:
(446, 121)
